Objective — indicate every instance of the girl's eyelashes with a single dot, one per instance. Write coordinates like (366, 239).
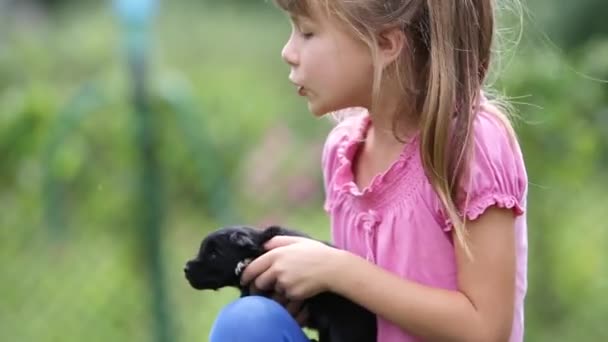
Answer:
(305, 32)
(307, 35)
(302, 30)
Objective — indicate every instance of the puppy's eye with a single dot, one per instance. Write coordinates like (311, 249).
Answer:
(213, 255)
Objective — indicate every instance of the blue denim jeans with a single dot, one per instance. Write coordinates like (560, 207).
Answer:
(256, 319)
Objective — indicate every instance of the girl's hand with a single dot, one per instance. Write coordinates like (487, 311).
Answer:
(295, 267)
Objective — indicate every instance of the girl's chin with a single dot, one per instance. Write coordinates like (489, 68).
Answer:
(317, 110)
(320, 108)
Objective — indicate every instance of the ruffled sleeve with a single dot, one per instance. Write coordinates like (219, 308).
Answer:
(496, 174)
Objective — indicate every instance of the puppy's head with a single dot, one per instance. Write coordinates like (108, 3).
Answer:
(221, 253)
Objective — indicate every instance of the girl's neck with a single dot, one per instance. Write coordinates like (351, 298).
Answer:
(390, 125)
(386, 132)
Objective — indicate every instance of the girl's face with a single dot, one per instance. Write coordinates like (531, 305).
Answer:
(329, 66)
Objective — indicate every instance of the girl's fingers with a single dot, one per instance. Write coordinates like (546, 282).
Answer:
(280, 298)
(257, 267)
(253, 290)
(282, 240)
(266, 280)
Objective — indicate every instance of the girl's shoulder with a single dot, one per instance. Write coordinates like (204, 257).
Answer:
(495, 147)
(492, 127)
(496, 171)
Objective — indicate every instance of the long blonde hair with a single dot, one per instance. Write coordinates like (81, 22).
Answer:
(441, 71)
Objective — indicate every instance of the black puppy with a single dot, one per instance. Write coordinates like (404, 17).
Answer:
(224, 254)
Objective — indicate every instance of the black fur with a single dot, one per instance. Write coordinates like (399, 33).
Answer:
(336, 318)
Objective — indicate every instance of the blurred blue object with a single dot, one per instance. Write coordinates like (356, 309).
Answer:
(136, 12)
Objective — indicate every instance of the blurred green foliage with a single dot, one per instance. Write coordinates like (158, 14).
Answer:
(248, 132)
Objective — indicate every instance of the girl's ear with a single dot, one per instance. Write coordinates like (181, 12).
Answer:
(391, 43)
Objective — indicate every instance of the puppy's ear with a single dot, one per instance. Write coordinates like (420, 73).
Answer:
(242, 240)
(271, 232)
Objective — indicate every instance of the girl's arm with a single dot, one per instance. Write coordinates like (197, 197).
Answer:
(481, 309)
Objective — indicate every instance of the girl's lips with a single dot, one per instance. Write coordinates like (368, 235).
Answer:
(299, 88)
(301, 91)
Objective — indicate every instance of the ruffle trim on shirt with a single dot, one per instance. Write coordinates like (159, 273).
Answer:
(477, 208)
(382, 187)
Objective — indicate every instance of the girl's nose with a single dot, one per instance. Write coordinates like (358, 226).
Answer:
(289, 53)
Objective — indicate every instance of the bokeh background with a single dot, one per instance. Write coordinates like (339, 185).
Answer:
(129, 129)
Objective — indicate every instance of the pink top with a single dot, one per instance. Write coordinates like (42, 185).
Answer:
(398, 223)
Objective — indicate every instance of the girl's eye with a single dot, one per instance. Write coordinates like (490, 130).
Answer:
(305, 32)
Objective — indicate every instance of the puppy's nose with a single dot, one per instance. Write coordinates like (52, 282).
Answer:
(187, 267)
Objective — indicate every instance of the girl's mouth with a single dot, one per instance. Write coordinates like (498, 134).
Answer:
(301, 91)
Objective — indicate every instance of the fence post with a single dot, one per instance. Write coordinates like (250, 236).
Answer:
(136, 16)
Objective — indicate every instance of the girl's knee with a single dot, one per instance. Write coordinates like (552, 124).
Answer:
(255, 318)
(254, 311)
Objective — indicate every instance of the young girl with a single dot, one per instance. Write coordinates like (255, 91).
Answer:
(425, 182)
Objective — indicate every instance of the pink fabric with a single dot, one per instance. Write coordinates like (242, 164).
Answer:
(398, 223)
